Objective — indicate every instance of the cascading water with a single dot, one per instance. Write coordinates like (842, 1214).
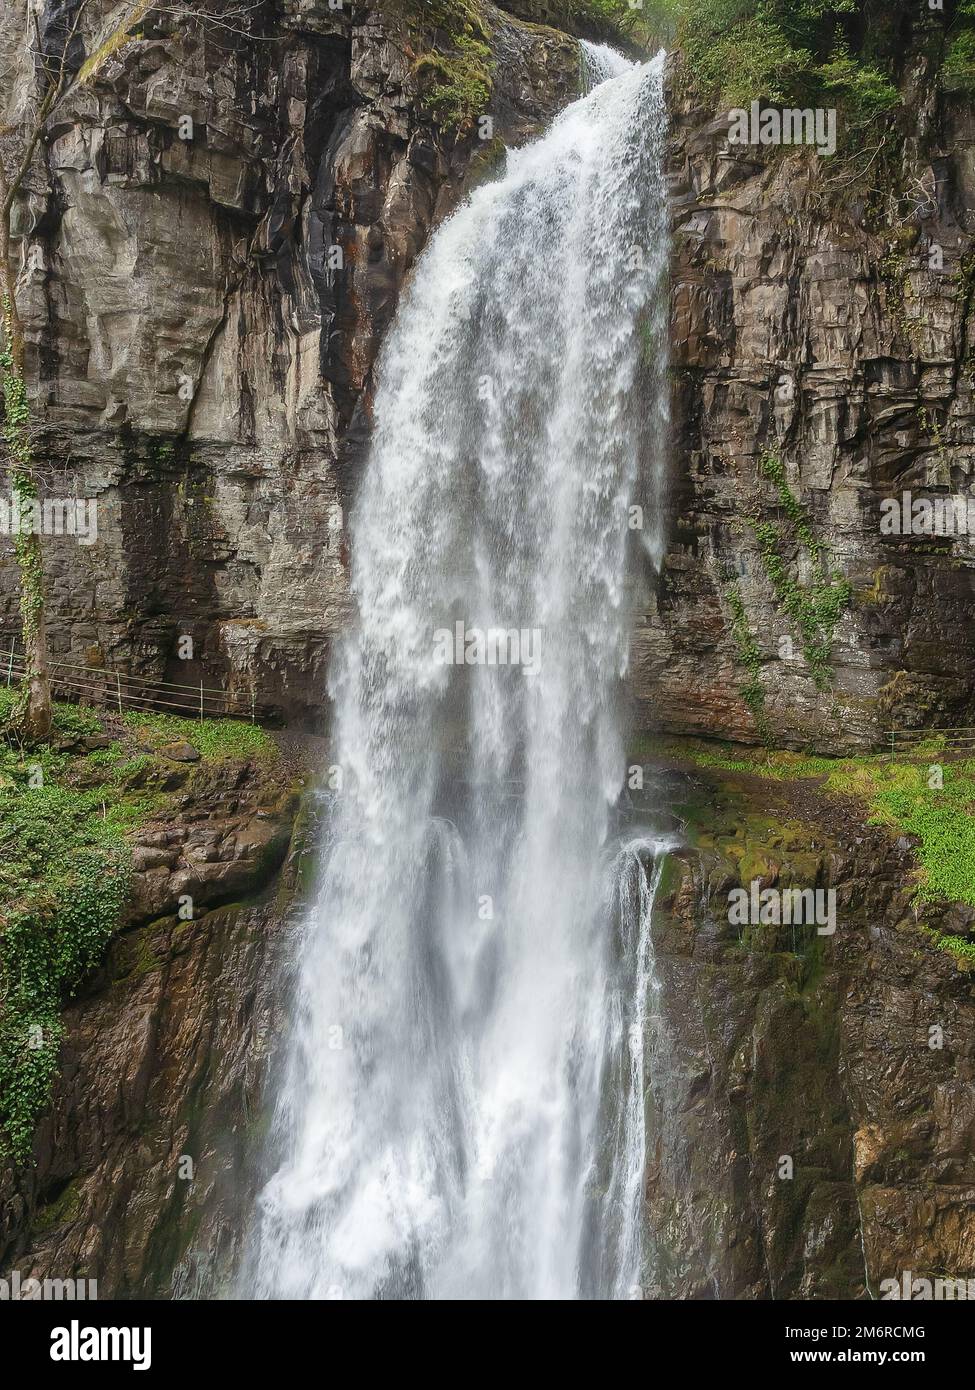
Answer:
(461, 1109)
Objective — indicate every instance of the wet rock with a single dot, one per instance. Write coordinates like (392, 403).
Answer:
(152, 1140)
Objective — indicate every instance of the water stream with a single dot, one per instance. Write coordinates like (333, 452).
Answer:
(461, 1111)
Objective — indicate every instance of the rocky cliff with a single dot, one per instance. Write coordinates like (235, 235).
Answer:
(152, 1134)
(214, 241)
(821, 316)
(813, 1111)
(213, 244)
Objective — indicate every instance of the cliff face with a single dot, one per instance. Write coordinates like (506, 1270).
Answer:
(203, 307)
(215, 239)
(153, 1134)
(821, 313)
(813, 1115)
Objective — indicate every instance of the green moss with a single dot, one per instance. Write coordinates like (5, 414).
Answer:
(463, 87)
(454, 38)
(895, 794)
(136, 954)
(115, 41)
(215, 739)
(60, 1210)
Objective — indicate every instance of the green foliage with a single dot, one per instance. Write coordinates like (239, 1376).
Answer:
(943, 818)
(752, 692)
(896, 794)
(77, 720)
(23, 489)
(216, 739)
(64, 873)
(957, 946)
(861, 89)
(738, 55)
(777, 51)
(959, 61)
(815, 611)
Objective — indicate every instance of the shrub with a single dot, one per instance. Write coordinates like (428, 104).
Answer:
(64, 873)
(745, 50)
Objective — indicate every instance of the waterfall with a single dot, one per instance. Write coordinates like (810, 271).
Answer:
(466, 1045)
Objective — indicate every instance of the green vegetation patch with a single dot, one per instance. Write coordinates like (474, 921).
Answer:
(752, 692)
(463, 68)
(455, 38)
(781, 51)
(64, 879)
(959, 64)
(214, 739)
(927, 798)
(815, 609)
(65, 870)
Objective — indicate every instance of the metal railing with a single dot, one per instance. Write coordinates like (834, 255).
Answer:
(97, 685)
(908, 740)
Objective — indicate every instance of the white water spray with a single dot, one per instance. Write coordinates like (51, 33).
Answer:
(461, 1113)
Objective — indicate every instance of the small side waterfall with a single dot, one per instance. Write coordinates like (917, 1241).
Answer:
(462, 1110)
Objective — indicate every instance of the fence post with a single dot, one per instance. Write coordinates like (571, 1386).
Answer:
(201, 702)
(252, 707)
(10, 663)
(118, 682)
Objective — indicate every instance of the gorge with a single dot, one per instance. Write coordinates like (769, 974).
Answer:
(472, 318)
